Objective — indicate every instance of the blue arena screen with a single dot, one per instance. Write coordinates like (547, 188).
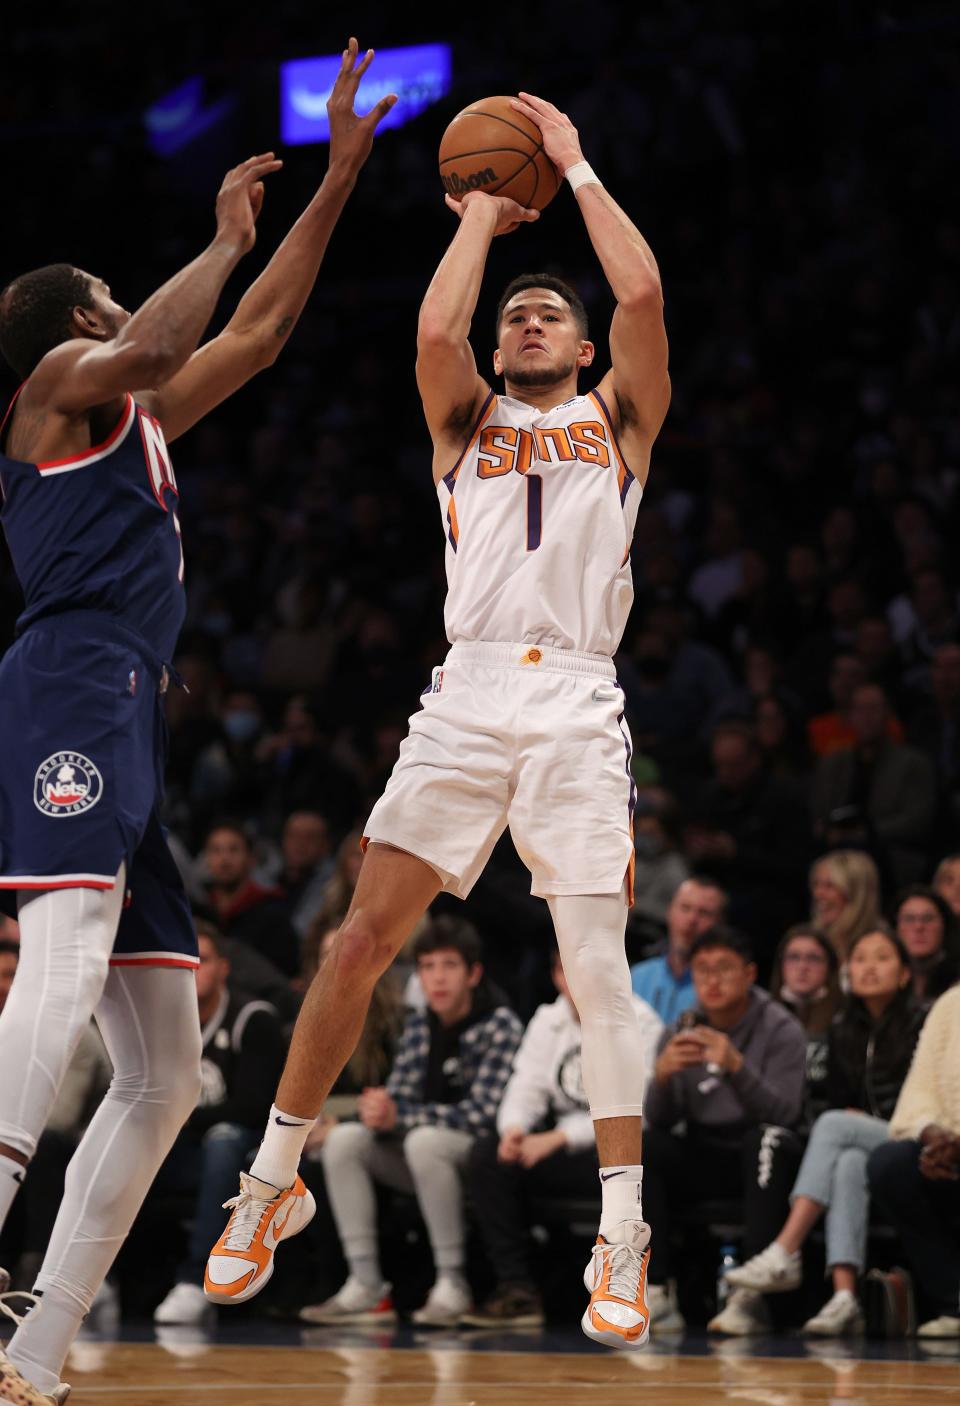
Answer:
(419, 74)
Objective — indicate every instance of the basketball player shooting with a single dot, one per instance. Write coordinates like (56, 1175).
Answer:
(89, 501)
(539, 489)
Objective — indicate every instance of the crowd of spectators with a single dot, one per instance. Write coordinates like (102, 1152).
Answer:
(791, 667)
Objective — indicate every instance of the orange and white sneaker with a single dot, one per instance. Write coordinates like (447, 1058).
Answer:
(617, 1314)
(241, 1262)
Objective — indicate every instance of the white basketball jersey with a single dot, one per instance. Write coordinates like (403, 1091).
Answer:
(539, 512)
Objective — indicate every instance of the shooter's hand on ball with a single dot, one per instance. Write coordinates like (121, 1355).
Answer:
(561, 141)
(351, 137)
(509, 215)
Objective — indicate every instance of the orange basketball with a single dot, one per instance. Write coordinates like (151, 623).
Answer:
(492, 147)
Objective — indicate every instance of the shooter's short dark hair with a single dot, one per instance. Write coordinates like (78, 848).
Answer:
(556, 285)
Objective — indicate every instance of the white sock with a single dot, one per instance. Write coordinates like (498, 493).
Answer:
(11, 1180)
(366, 1270)
(621, 1188)
(281, 1149)
(45, 1337)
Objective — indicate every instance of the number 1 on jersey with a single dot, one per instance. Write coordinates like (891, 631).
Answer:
(534, 510)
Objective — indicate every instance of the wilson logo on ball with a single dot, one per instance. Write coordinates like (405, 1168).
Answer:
(456, 185)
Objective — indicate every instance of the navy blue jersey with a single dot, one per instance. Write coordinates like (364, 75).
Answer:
(99, 531)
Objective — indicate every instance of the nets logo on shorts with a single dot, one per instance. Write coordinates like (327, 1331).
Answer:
(66, 784)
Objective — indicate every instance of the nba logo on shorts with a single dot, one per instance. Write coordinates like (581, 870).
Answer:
(66, 784)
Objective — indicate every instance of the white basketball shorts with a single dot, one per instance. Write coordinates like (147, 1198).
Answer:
(530, 737)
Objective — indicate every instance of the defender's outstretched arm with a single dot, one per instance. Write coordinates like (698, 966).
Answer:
(153, 345)
(268, 311)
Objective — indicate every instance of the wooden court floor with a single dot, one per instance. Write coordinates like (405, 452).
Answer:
(149, 1375)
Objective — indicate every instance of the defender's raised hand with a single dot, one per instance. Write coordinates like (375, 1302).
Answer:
(560, 139)
(240, 200)
(351, 137)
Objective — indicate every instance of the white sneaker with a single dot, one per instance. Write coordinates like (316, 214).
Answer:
(60, 1395)
(447, 1302)
(185, 1303)
(774, 1271)
(616, 1279)
(665, 1316)
(354, 1303)
(840, 1317)
(946, 1326)
(746, 1313)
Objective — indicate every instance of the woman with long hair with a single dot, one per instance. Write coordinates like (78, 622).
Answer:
(806, 979)
(927, 928)
(845, 897)
(871, 1043)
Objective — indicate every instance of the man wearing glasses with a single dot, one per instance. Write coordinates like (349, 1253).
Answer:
(732, 1070)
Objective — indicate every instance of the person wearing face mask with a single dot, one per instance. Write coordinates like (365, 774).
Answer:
(806, 979)
(928, 930)
(871, 1044)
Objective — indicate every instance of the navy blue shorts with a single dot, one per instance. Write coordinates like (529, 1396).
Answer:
(82, 752)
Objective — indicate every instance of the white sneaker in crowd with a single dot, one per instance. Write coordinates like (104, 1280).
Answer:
(185, 1303)
(946, 1326)
(745, 1313)
(447, 1302)
(774, 1271)
(354, 1303)
(665, 1316)
(840, 1317)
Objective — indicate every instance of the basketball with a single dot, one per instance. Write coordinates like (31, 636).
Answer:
(489, 146)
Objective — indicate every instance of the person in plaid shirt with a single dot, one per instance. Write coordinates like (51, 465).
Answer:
(448, 1078)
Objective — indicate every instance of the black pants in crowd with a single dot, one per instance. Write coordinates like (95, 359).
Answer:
(927, 1218)
(504, 1193)
(683, 1171)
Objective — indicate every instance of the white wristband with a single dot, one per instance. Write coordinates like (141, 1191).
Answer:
(581, 174)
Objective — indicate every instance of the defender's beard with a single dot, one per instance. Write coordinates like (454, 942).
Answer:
(533, 378)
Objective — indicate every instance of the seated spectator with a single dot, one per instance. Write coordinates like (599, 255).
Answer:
(871, 1044)
(339, 888)
(307, 866)
(780, 737)
(659, 865)
(416, 1134)
(928, 930)
(845, 897)
(665, 982)
(243, 1054)
(299, 768)
(935, 727)
(252, 912)
(832, 731)
(916, 1176)
(946, 882)
(877, 794)
(544, 1146)
(732, 1072)
(750, 832)
(806, 979)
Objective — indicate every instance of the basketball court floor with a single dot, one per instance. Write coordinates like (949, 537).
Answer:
(251, 1365)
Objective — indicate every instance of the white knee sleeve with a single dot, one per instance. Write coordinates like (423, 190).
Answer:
(590, 934)
(66, 937)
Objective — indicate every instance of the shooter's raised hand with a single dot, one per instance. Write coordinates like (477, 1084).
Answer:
(560, 139)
